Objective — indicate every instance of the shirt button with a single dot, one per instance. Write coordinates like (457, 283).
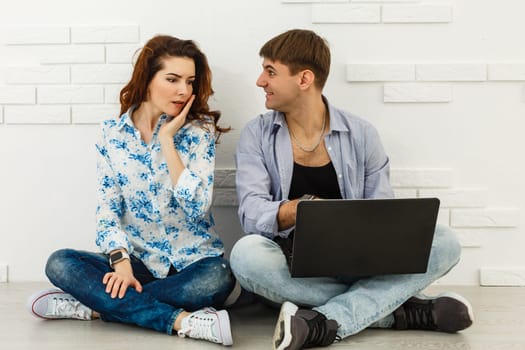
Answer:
(340, 175)
(329, 148)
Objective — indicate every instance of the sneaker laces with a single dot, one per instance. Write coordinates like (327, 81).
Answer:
(420, 317)
(318, 331)
(68, 308)
(199, 325)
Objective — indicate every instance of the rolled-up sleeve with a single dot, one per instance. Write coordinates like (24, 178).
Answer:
(194, 188)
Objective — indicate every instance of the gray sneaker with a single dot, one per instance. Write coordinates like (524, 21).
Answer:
(301, 328)
(54, 304)
(448, 312)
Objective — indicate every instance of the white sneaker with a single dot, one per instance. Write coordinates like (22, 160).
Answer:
(54, 304)
(208, 324)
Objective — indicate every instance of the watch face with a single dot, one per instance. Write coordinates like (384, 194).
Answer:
(115, 256)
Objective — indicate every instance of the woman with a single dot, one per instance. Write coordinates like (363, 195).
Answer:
(161, 265)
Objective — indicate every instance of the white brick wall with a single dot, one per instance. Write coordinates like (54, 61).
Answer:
(336, 13)
(26, 35)
(79, 75)
(502, 276)
(74, 54)
(458, 197)
(17, 95)
(101, 73)
(506, 72)
(421, 178)
(451, 72)
(105, 34)
(37, 114)
(417, 13)
(60, 94)
(379, 72)
(93, 114)
(488, 217)
(417, 92)
(38, 75)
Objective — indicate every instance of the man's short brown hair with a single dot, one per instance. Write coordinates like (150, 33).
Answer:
(300, 49)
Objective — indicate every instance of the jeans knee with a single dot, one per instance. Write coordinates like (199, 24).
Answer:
(58, 265)
(245, 254)
(447, 246)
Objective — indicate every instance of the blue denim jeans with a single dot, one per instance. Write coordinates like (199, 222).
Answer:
(260, 267)
(207, 282)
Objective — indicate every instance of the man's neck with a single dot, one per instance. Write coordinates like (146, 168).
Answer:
(308, 116)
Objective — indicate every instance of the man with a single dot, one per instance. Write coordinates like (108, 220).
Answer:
(306, 147)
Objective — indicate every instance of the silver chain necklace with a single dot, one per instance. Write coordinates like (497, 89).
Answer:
(314, 147)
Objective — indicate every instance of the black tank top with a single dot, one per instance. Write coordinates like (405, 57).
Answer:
(320, 181)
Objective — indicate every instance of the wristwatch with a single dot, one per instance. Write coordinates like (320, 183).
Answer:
(117, 257)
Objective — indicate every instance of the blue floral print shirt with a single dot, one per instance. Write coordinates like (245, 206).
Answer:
(140, 209)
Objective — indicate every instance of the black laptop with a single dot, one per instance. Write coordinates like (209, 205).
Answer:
(365, 237)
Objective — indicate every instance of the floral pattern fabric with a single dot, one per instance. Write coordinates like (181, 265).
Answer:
(141, 210)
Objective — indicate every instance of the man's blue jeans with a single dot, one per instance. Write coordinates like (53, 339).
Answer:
(207, 282)
(260, 267)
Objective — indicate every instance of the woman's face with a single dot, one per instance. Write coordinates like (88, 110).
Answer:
(172, 86)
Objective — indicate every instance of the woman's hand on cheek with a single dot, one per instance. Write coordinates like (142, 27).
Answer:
(168, 130)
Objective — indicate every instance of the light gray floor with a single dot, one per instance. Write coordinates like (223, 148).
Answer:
(499, 324)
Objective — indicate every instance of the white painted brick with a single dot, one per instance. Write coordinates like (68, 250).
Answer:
(469, 238)
(417, 92)
(70, 94)
(501, 217)
(380, 72)
(312, 1)
(458, 197)
(501, 276)
(1, 114)
(507, 72)
(336, 13)
(74, 54)
(101, 73)
(443, 217)
(27, 35)
(105, 34)
(225, 197)
(38, 75)
(405, 192)
(17, 95)
(94, 114)
(384, 1)
(451, 72)
(121, 53)
(37, 115)
(421, 177)
(224, 178)
(112, 93)
(417, 13)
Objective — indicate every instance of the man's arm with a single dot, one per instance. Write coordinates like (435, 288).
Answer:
(258, 209)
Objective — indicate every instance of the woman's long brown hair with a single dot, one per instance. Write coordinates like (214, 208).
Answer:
(149, 62)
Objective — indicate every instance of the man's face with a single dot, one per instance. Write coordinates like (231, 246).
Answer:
(281, 88)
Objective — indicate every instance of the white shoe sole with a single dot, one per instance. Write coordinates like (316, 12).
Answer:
(283, 326)
(224, 327)
(36, 297)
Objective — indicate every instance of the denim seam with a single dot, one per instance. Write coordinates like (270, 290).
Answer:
(171, 321)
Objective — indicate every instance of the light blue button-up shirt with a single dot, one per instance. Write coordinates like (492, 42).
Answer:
(264, 160)
(141, 210)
